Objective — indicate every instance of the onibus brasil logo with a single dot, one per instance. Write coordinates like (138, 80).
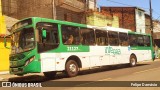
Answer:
(111, 50)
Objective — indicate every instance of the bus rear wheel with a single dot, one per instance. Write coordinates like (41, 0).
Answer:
(133, 60)
(50, 75)
(71, 68)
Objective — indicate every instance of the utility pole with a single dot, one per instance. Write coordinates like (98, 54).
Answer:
(151, 21)
(54, 9)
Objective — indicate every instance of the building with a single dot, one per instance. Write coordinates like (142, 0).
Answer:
(132, 18)
(68, 10)
(4, 55)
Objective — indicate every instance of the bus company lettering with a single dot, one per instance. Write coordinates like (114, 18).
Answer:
(111, 50)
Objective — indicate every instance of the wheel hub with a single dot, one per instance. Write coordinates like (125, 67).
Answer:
(72, 68)
(133, 61)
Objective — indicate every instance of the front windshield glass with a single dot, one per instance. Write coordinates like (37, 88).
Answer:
(23, 40)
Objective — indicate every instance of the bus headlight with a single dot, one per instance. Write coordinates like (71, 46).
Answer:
(30, 60)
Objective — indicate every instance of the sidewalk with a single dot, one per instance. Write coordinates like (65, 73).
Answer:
(2, 74)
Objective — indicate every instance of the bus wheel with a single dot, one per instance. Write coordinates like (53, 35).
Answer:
(50, 75)
(133, 60)
(71, 68)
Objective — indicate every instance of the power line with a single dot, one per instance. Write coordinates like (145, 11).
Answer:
(156, 12)
(147, 9)
(126, 4)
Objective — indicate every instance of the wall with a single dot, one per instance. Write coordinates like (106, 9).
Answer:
(67, 15)
(20, 9)
(2, 25)
(4, 55)
(126, 16)
(156, 26)
(92, 4)
(140, 21)
(156, 29)
(102, 19)
(147, 24)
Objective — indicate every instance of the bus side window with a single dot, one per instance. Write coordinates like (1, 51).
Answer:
(113, 38)
(70, 35)
(132, 40)
(51, 41)
(123, 39)
(88, 36)
(147, 41)
(101, 37)
(140, 40)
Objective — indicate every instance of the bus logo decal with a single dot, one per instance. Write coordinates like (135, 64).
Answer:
(111, 50)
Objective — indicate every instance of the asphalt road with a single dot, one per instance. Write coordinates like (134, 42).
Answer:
(90, 79)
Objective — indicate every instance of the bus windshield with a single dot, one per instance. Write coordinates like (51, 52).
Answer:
(23, 40)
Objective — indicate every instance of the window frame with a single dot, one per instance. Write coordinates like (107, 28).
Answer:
(139, 43)
(117, 38)
(45, 46)
(104, 37)
(135, 40)
(147, 40)
(88, 41)
(74, 42)
(123, 42)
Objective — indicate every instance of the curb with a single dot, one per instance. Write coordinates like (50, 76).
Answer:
(1, 79)
(4, 72)
(149, 61)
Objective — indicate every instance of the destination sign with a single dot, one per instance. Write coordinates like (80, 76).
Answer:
(21, 24)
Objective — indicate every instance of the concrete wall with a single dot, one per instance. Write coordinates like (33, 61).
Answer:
(129, 17)
(156, 26)
(68, 15)
(148, 24)
(4, 55)
(102, 19)
(140, 21)
(20, 9)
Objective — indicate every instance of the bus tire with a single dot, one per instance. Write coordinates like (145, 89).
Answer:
(71, 68)
(133, 60)
(50, 75)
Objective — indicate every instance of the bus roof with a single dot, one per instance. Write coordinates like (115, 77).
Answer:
(84, 25)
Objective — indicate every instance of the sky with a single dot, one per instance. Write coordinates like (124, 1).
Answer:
(144, 4)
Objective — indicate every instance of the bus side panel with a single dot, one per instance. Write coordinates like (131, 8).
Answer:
(108, 55)
(47, 62)
(142, 54)
(61, 59)
(125, 54)
(85, 61)
(98, 57)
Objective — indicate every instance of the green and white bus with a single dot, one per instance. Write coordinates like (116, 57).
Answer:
(50, 46)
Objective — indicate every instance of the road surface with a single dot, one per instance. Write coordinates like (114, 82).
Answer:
(90, 79)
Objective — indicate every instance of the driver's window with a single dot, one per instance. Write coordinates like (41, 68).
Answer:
(51, 41)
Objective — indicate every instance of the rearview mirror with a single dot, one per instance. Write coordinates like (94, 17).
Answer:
(44, 33)
(5, 42)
